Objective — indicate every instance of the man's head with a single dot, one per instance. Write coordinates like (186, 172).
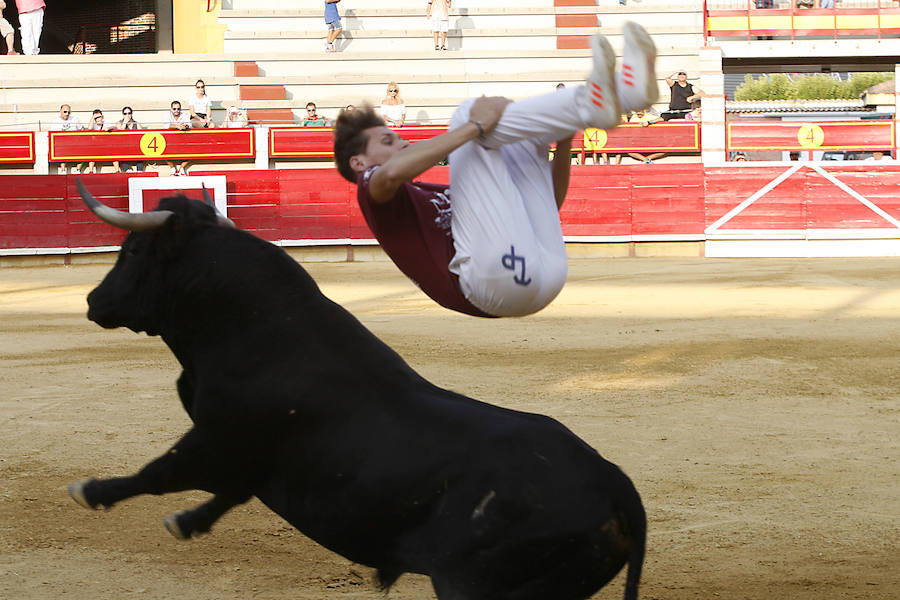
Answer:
(311, 110)
(682, 77)
(64, 111)
(361, 140)
(176, 107)
(877, 154)
(97, 116)
(234, 112)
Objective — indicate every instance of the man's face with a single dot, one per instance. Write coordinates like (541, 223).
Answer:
(310, 112)
(383, 144)
(64, 111)
(176, 109)
(682, 78)
(98, 119)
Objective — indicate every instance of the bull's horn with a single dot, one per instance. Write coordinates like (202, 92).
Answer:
(123, 220)
(222, 219)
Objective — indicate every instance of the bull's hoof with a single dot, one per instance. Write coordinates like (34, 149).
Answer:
(76, 491)
(171, 523)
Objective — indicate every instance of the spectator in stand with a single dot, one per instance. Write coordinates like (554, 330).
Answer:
(880, 156)
(6, 31)
(127, 122)
(97, 124)
(332, 24)
(682, 94)
(235, 120)
(826, 4)
(176, 119)
(696, 113)
(645, 117)
(314, 119)
(646, 158)
(201, 107)
(438, 12)
(393, 110)
(66, 121)
(31, 22)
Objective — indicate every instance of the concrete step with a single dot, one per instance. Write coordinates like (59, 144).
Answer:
(512, 42)
(466, 19)
(190, 67)
(347, 5)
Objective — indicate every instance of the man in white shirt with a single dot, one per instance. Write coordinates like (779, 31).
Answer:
(880, 156)
(234, 120)
(177, 119)
(66, 121)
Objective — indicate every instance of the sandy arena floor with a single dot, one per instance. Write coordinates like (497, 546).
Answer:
(753, 402)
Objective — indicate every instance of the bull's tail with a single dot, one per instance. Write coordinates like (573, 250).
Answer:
(636, 521)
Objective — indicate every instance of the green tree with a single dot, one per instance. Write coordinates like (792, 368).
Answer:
(779, 86)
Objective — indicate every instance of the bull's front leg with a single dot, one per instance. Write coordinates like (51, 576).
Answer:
(191, 464)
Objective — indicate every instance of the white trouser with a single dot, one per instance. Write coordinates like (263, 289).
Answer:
(30, 24)
(510, 255)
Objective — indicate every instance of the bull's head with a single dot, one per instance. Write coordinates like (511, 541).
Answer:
(132, 293)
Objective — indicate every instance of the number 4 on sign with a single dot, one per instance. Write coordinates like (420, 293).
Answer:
(594, 139)
(153, 144)
(810, 136)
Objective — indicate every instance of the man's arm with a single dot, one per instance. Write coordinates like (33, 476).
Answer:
(670, 81)
(560, 169)
(698, 93)
(412, 161)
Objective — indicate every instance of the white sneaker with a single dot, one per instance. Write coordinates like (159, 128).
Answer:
(601, 103)
(636, 81)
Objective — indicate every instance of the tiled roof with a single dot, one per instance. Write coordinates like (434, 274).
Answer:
(885, 87)
(795, 106)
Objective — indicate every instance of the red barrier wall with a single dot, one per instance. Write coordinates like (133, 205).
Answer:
(605, 203)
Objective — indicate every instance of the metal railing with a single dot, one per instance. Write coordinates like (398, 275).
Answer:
(136, 38)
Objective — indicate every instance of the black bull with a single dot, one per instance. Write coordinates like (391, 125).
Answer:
(295, 402)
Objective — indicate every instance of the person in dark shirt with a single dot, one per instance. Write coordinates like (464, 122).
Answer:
(683, 95)
(490, 243)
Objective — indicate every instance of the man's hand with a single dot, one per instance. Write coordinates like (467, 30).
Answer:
(488, 110)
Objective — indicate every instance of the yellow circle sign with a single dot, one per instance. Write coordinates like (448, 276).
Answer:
(153, 144)
(810, 136)
(594, 139)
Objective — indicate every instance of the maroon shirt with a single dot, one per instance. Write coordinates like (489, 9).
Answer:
(413, 228)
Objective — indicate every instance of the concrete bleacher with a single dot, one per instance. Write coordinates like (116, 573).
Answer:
(494, 49)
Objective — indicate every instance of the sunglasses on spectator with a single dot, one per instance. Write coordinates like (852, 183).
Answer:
(394, 90)
(310, 110)
(128, 112)
(200, 87)
(65, 112)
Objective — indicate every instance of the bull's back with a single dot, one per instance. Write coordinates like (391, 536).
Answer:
(384, 484)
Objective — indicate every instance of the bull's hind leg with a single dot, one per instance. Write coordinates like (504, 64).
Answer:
(200, 519)
(191, 464)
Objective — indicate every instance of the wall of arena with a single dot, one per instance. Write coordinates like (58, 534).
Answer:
(767, 209)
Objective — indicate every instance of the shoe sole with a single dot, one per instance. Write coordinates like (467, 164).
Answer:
(600, 47)
(637, 35)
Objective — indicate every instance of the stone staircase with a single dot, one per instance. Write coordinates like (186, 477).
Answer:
(274, 60)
